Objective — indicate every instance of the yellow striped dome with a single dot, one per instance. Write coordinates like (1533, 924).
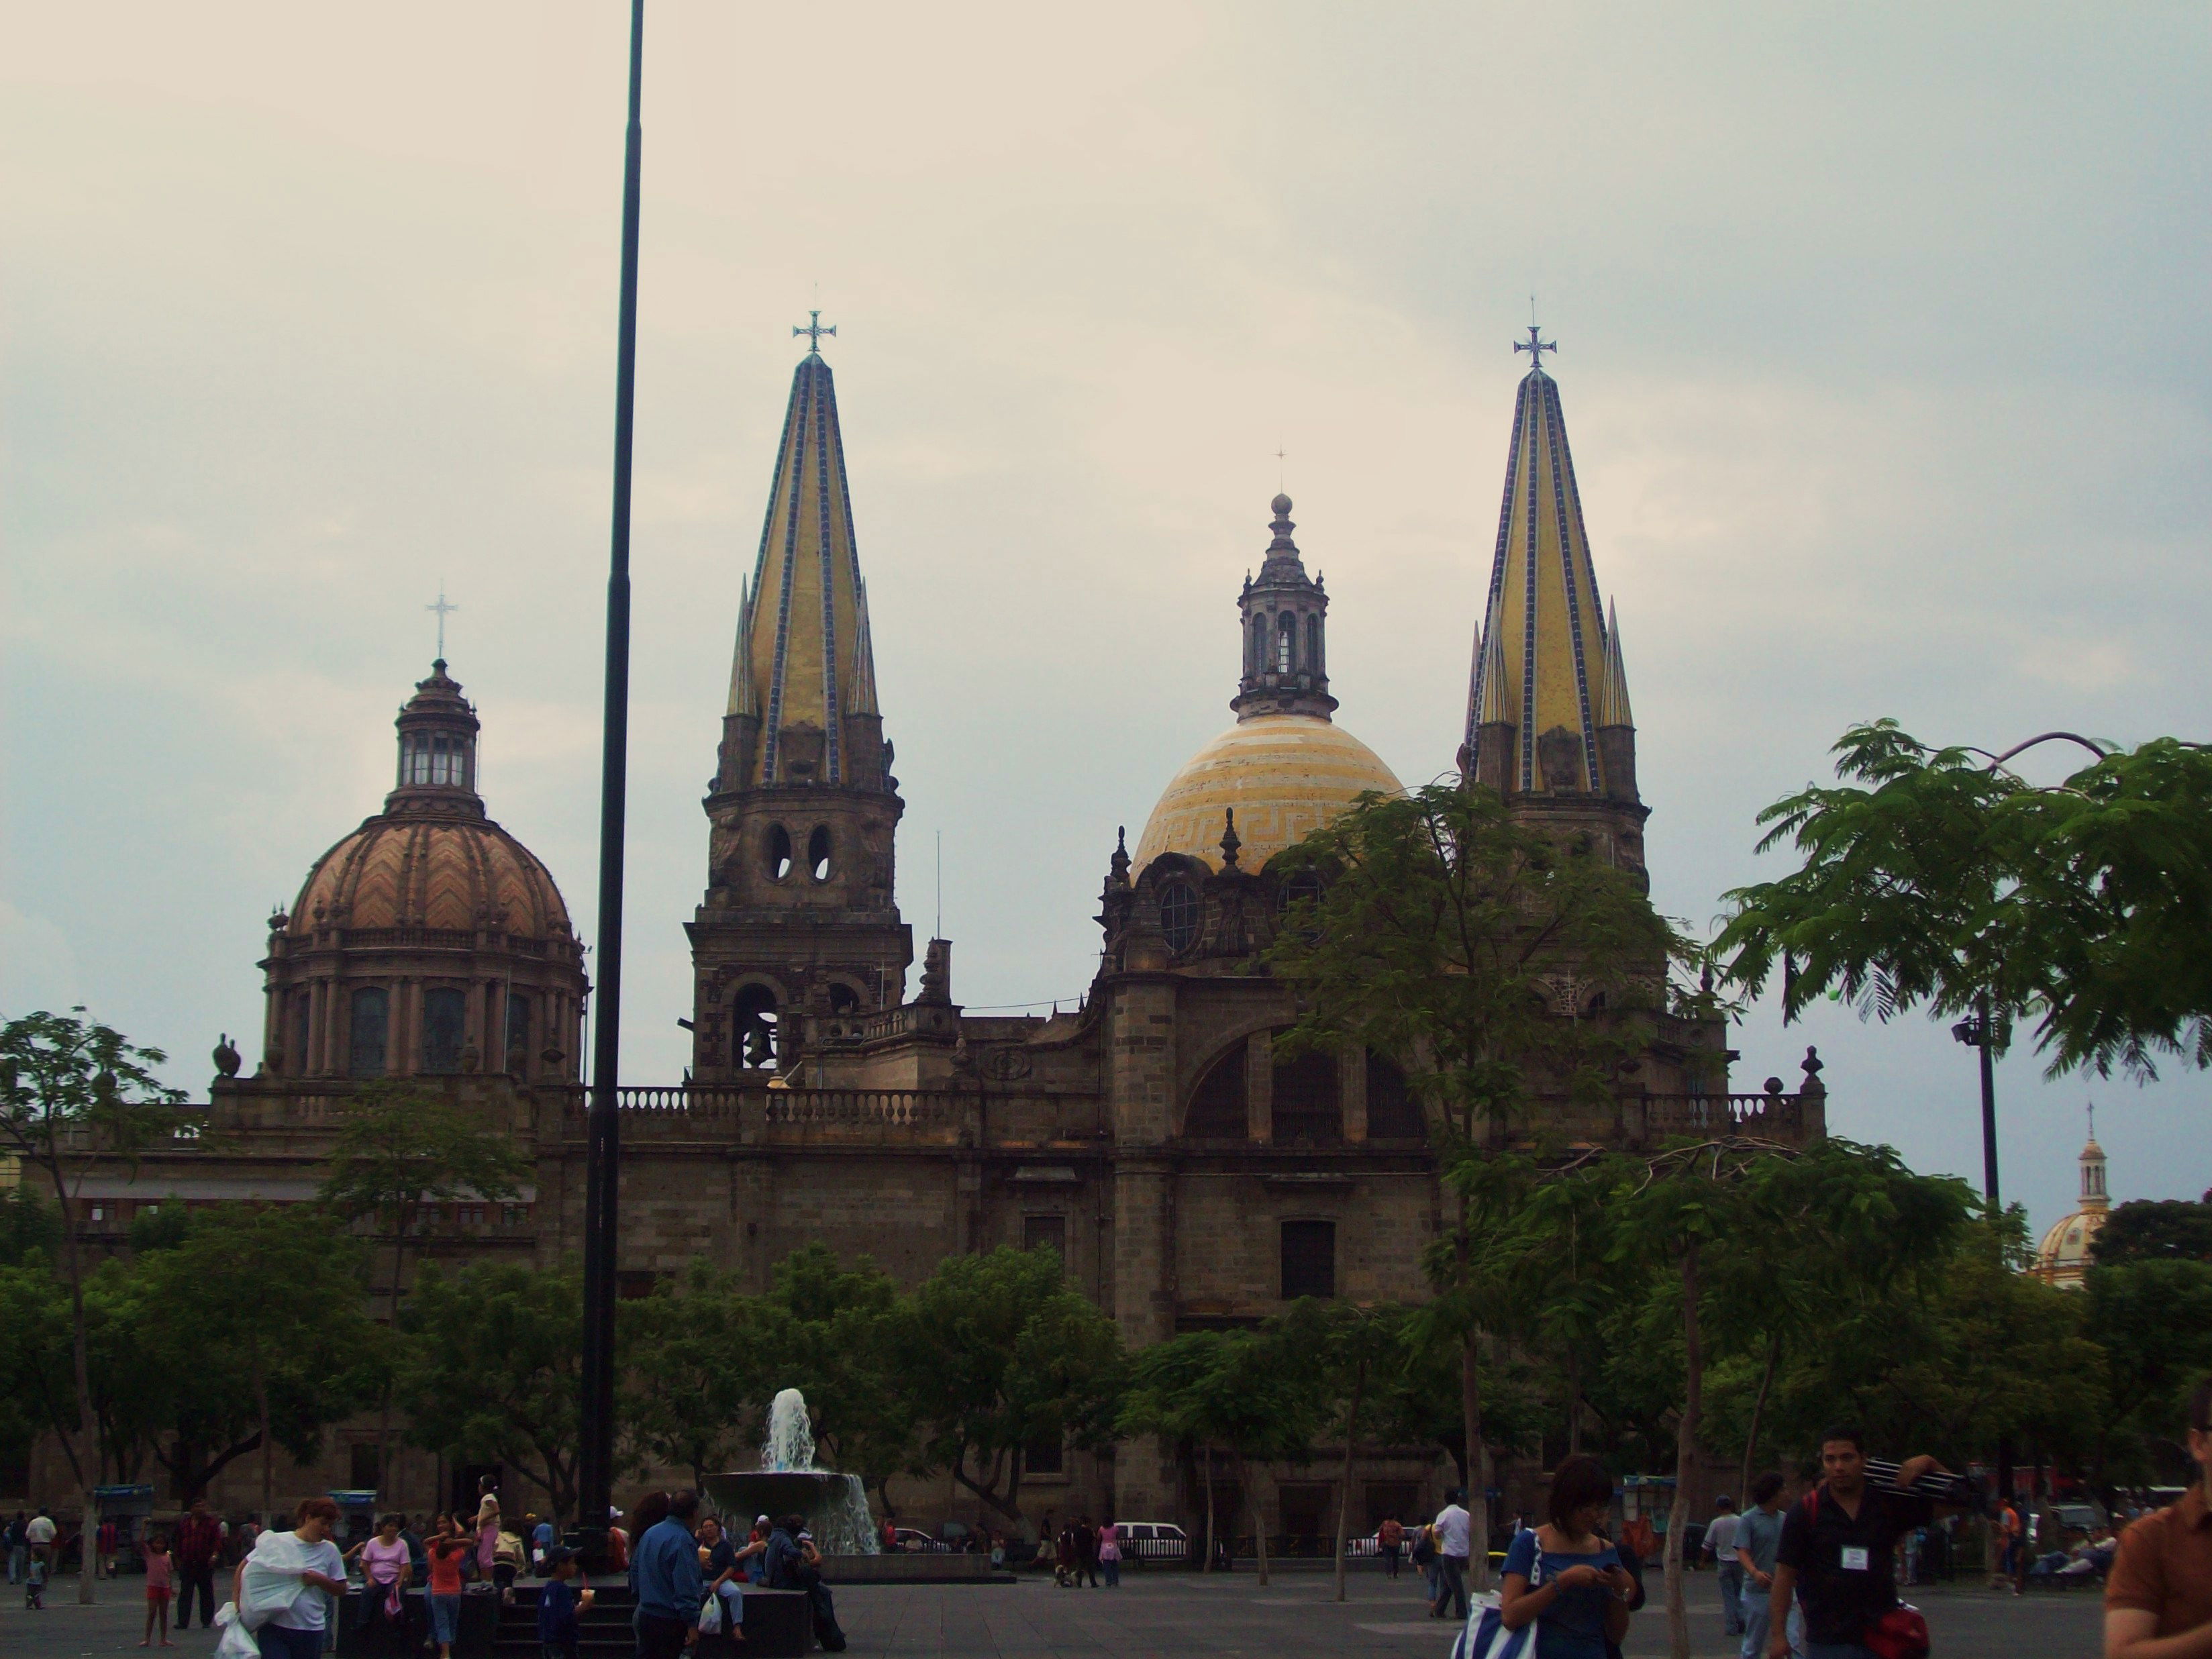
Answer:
(1286, 776)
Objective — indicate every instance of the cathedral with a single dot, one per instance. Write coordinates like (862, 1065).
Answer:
(1190, 1175)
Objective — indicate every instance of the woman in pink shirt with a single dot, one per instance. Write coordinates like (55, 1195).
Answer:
(385, 1567)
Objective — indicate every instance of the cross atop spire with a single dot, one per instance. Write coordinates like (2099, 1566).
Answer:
(444, 610)
(814, 331)
(1534, 345)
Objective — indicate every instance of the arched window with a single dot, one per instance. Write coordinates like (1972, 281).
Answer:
(1178, 915)
(1313, 644)
(1307, 1106)
(445, 1029)
(778, 853)
(302, 1007)
(371, 1010)
(843, 999)
(1301, 888)
(753, 1022)
(518, 1030)
(1258, 664)
(1216, 1105)
(1393, 1114)
(1309, 1258)
(818, 852)
(1286, 643)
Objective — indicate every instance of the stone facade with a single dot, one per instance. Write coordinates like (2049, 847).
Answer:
(1192, 1174)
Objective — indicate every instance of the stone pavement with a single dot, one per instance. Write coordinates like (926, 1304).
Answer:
(1165, 1613)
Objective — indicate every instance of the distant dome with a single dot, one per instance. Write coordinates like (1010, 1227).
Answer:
(457, 874)
(2063, 1258)
(1286, 776)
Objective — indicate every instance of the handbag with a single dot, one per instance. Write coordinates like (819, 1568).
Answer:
(1901, 1633)
(1486, 1637)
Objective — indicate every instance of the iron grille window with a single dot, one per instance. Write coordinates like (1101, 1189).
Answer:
(1045, 1456)
(1309, 1258)
(1178, 915)
(1045, 1232)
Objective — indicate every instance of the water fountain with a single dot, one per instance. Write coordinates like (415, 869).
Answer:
(835, 1505)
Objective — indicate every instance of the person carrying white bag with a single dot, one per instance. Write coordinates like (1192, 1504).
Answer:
(283, 1590)
(1564, 1593)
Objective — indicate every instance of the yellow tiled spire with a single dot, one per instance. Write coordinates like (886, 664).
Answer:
(803, 662)
(1544, 679)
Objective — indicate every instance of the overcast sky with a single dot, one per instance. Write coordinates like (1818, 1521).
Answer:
(1883, 347)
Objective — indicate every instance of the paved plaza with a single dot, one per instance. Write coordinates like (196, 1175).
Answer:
(1171, 1613)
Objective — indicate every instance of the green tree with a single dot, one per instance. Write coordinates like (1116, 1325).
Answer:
(257, 1323)
(697, 1361)
(832, 1331)
(2154, 1230)
(491, 1367)
(1937, 876)
(70, 1088)
(28, 1222)
(2151, 1320)
(399, 1147)
(1000, 1352)
(1349, 1353)
(1440, 924)
(1717, 1215)
(1249, 1392)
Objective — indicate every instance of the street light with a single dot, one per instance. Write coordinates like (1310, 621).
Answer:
(602, 1146)
(1978, 1030)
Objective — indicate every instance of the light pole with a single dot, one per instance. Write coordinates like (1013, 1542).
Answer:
(603, 1146)
(1978, 1030)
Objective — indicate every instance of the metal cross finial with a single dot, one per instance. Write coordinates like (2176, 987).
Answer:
(444, 610)
(2093, 1120)
(814, 331)
(1536, 346)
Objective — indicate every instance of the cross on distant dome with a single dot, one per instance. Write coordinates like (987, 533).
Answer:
(444, 610)
(814, 331)
(1536, 346)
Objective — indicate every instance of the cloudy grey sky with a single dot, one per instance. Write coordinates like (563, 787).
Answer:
(1883, 348)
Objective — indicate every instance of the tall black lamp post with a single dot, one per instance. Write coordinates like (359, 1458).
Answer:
(595, 1452)
(1978, 1030)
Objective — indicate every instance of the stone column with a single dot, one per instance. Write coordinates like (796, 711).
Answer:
(1352, 1092)
(1259, 1086)
(1140, 1101)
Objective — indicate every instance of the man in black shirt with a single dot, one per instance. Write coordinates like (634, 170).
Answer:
(1835, 1552)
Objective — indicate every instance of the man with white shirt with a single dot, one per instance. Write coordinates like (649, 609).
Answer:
(1452, 1533)
(1720, 1544)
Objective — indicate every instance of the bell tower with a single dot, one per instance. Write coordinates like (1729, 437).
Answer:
(798, 915)
(1548, 724)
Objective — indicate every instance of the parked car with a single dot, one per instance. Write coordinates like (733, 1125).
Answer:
(1152, 1540)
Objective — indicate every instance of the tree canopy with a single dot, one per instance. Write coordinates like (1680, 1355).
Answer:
(1937, 876)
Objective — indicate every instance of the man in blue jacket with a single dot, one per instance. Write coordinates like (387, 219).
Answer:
(668, 1591)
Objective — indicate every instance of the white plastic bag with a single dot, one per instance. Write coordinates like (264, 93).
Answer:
(236, 1642)
(710, 1616)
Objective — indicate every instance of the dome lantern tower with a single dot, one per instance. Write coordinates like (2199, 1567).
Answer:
(1284, 617)
(437, 749)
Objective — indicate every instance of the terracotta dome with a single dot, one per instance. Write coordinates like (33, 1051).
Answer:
(1286, 774)
(453, 874)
